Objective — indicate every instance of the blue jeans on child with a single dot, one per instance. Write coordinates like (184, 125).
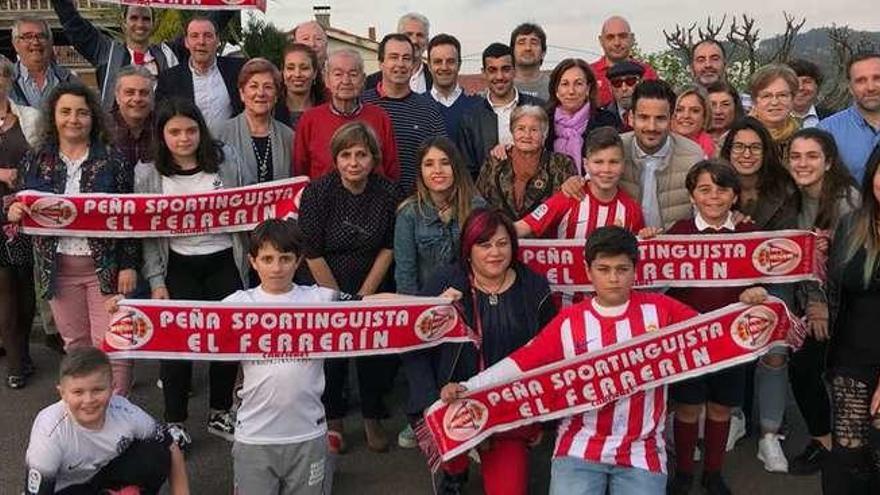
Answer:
(573, 476)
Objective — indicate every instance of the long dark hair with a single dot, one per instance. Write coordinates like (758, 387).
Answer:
(837, 181)
(556, 77)
(866, 221)
(316, 93)
(98, 133)
(773, 178)
(209, 153)
(463, 190)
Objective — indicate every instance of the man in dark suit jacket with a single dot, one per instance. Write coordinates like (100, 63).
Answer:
(480, 130)
(210, 81)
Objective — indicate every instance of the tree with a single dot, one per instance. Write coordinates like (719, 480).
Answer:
(262, 39)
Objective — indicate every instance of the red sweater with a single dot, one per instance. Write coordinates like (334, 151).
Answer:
(311, 141)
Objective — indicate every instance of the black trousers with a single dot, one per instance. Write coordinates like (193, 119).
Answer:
(17, 309)
(375, 376)
(209, 277)
(806, 368)
(145, 464)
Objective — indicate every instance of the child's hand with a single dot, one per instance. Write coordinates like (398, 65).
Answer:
(17, 211)
(452, 294)
(740, 217)
(112, 303)
(753, 295)
(160, 293)
(451, 392)
(649, 232)
(817, 320)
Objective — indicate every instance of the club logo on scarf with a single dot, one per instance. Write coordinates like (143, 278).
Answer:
(464, 419)
(53, 212)
(130, 329)
(436, 322)
(753, 328)
(777, 256)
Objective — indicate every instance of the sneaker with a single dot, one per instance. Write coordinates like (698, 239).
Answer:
(771, 454)
(680, 484)
(407, 438)
(737, 428)
(179, 434)
(713, 484)
(16, 381)
(811, 460)
(222, 424)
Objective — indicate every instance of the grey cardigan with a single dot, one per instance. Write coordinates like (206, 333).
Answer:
(235, 133)
(147, 180)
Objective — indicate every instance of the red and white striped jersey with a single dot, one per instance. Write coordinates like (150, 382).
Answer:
(561, 217)
(628, 432)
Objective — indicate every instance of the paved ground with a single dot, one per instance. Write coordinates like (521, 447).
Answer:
(358, 472)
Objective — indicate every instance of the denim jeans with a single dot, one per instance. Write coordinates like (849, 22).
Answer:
(573, 476)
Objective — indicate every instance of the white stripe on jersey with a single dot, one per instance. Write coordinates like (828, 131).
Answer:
(602, 215)
(562, 228)
(620, 425)
(620, 214)
(649, 314)
(568, 340)
(583, 220)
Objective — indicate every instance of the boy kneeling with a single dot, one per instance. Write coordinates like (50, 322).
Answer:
(92, 440)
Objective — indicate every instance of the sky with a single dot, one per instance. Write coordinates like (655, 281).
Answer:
(572, 26)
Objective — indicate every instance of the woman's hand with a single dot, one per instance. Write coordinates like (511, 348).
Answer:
(753, 295)
(451, 392)
(127, 281)
(453, 294)
(17, 211)
(573, 187)
(499, 152)
(817, 320)
(160, 293)
(8, 176)
(823, 241)
(649, 232)
(875, 401)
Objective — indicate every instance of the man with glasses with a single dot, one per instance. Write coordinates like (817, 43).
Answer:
(617, 41)
(35, 73)
(623, 78)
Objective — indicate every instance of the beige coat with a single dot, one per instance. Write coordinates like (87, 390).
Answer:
(672, 194)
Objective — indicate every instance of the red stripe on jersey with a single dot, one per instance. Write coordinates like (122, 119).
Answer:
(567, 218)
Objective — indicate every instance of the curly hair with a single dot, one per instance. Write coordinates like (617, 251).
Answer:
(99, 133)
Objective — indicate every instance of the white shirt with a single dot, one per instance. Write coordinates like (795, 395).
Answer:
(503, 111)
(281, 399)
(446, 101)
(418, 83)
(62, 450)
(809, 119)
(195, 245)
(704, 225)
(211, 95)
(651, 164)
(73, 246)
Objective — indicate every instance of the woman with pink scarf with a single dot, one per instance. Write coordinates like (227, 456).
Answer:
(573, 108)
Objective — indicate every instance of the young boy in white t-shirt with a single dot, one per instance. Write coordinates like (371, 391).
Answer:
(92, 441)
(280, 435)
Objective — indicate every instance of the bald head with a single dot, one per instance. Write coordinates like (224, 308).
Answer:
(616, 39)
(312, 35)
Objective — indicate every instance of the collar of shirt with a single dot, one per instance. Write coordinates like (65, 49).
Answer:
(446, 101)
(703, 225)
(340, 113)
(657, 155)
(860, 119)
(213, 68)
(380, 89)
(418, 81)
(26, 75)
(609, 311)
(503, 107)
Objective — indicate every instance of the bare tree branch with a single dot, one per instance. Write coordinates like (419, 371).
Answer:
(786, 44)
(744, 36)
(681, 41)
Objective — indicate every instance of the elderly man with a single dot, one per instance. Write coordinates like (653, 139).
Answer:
(312, 34)
(657, 160)
(209, 80)
(344, 78)
(132, 117)
(109, 55)
(488, 123)
(857, 128)
(529, 44)
(617, 40)
(623, 78)
(805, 100)
(414, 117)
(36, 73)
(444, 60)
(417, 28)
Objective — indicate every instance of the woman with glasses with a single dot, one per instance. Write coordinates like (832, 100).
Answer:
(773, 87)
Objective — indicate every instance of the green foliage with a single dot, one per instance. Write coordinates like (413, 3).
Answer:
(169, 24)
(262, 39)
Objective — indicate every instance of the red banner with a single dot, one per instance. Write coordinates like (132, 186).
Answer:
(727, 337)
(218, 331)
(687, 260)
(195, 4)
(160, 215)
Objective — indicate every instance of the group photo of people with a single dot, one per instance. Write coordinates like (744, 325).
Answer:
(418, 187)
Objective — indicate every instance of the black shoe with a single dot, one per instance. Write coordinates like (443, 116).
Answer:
(16, 381)
(810, 461)
(2, 351)
(28, 369)
(713, 484)
(452, 484)
(54, 342)
(680, 484)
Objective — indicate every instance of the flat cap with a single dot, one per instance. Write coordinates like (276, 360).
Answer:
(625, 68)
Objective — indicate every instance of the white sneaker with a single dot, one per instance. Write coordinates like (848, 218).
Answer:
(771, 454)
(407, 438)
(737, 428)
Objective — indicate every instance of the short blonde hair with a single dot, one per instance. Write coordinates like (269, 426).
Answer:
(701, 95)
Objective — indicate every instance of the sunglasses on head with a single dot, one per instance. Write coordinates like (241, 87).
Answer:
(628, 80)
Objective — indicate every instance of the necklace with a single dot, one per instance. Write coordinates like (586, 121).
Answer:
(262, 161)
(493, 295)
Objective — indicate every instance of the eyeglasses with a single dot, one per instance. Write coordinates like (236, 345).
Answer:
(618, 82)
(774, 96)
(754, 149)
(31, 37)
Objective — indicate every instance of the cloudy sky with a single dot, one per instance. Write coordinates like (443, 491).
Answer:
(573, 25)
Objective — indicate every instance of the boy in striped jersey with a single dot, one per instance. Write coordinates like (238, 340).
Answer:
(619, 448)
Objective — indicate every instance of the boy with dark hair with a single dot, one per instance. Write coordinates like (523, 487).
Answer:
(620, 447)
(92, 440)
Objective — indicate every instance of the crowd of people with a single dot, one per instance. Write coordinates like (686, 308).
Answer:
(418, 188)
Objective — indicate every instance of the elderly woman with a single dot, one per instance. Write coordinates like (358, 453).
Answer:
(77, 274)
(773, 88)
(530, 173)
(573, 107)
(303, 84)
(347, 217)
(263, 143)
(17, 300)
(726, 108)
(692, 117)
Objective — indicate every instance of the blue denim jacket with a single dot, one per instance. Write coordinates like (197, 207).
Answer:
(423, 243)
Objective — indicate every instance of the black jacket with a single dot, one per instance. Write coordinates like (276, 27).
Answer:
(178, 82)
(478, 133)
(599, 117)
